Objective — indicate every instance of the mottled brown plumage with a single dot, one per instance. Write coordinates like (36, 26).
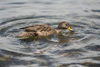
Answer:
(36, 28)
(43, 30)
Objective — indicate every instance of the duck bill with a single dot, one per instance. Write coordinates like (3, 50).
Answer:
(69, 29)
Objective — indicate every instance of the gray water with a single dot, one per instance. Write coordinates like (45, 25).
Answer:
(78, 49)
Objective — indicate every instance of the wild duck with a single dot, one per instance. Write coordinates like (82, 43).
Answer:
(43, 30)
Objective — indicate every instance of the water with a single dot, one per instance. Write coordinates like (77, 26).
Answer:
(78, 49)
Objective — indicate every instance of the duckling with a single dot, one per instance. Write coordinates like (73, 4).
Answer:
(43, 30)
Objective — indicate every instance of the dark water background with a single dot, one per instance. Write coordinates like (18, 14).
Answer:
(79, 49)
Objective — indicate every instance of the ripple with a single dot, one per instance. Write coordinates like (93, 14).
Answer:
(63, 50)
(94, 16)
(17, 3)
(78, 49)
(95, 10)
(93, 47)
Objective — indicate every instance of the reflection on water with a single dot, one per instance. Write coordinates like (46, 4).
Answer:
(80, 48)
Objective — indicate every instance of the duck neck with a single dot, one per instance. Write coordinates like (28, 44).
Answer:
(58, 31)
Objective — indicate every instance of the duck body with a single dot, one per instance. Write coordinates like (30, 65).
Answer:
(41, 30)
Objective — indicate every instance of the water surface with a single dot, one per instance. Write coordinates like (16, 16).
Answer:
(78, 49)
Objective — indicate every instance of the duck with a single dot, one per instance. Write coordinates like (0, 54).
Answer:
(43, 30)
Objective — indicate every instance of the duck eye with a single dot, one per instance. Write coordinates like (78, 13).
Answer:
(66, 24)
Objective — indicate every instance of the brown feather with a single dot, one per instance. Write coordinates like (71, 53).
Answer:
(36, 28)
(40, 30)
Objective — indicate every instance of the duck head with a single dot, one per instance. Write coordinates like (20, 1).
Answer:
(64, 25)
